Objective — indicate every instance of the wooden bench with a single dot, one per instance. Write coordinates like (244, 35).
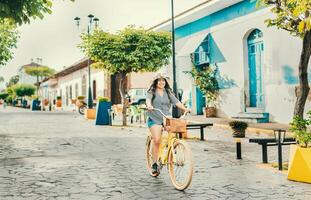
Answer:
(200, 126)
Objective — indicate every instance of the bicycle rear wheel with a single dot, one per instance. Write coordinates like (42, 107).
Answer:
(82, 109)
(180, 165)
(149, 157)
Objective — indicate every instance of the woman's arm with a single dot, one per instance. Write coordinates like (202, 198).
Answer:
(148, 102)
(177, 103)
(182, 107)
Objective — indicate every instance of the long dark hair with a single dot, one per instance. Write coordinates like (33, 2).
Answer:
(153, 88)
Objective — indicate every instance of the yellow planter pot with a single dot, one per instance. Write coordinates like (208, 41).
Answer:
(90, 113)
(299, 168)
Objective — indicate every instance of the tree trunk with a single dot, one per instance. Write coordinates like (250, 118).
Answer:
(122, 87)
(303, 89)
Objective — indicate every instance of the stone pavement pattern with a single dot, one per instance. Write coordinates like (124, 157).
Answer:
(60, 155)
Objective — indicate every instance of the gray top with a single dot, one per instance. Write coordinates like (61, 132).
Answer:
(163, 103)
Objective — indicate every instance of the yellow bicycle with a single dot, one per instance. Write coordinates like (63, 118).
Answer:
(173, 152)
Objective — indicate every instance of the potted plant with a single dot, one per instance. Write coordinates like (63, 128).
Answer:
(300, 154)
(80, 100)
(205, 79)
(58, 101)
(35, 103)
(102, 111)
(238, 128)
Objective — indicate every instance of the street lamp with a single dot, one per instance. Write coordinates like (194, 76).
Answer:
(175, 110)
(89, 26)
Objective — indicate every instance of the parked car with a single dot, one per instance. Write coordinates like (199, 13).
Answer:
(137, 96)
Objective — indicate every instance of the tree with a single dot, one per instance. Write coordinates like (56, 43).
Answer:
(130, 50)
(1, 79)
(8, 40)
(3, 95)
(294, 16)
(22, 11)
(22, 90)
(39, 72)
(13, 80)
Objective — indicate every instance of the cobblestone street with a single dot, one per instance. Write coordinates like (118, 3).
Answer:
(60, 155)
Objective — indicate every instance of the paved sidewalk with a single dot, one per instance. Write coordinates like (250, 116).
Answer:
(260, 128)
(62, 156)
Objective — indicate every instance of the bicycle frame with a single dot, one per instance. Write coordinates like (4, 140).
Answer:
(166, 142)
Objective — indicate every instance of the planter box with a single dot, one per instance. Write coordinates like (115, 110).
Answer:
(35, 105)
(58, 103)
(102, 113)
(210, 112)
(90, 113)
(299, 168)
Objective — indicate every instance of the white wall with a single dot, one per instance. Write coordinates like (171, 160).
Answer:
(281, 49)
(76, 78)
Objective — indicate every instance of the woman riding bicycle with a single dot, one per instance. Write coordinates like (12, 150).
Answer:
(159, 96)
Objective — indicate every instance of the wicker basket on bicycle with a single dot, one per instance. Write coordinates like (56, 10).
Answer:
(175, 125)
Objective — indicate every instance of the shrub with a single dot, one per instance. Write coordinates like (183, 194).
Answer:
(103, 99)
(4, 95)
(22, 90)
(238, 125)
(35, 97)
(299, 127)
(80, 97)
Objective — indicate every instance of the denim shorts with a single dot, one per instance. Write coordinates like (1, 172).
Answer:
(150, 123)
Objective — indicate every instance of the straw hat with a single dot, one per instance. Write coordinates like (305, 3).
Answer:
(161, 75)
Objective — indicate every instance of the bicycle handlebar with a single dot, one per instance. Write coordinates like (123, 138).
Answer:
(156, 109)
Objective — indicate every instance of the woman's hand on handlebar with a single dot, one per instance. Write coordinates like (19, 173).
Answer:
(187, 110)
(150, 108)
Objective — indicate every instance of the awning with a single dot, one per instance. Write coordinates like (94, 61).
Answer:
(191, 45)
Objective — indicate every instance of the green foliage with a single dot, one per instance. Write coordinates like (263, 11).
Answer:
(103, 99)
(205, 79)
(299, 127)
(22, 90)
(35, 97)
(9, 99)
(13, 80)
(4, 95)
(8, 40)
(58, 97)
(130, 50)
(291, 15)
(238, 125)
(81, 98)
(21, 11)
(1, 79)
(40, 71)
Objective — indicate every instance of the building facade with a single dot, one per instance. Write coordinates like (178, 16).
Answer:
(25, 78)
(72, 82)
(257, 65)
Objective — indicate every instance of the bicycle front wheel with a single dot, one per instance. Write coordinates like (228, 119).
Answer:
(180, 165)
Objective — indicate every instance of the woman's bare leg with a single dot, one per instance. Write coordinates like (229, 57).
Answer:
(156, 131)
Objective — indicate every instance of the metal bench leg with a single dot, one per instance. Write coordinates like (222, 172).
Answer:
(202, 133)
(264, 153)
(280, 155)
(238, 149)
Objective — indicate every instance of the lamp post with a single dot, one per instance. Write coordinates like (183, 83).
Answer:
(89, 26)
(175, 109)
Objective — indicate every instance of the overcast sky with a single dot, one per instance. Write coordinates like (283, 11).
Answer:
(54, 39)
